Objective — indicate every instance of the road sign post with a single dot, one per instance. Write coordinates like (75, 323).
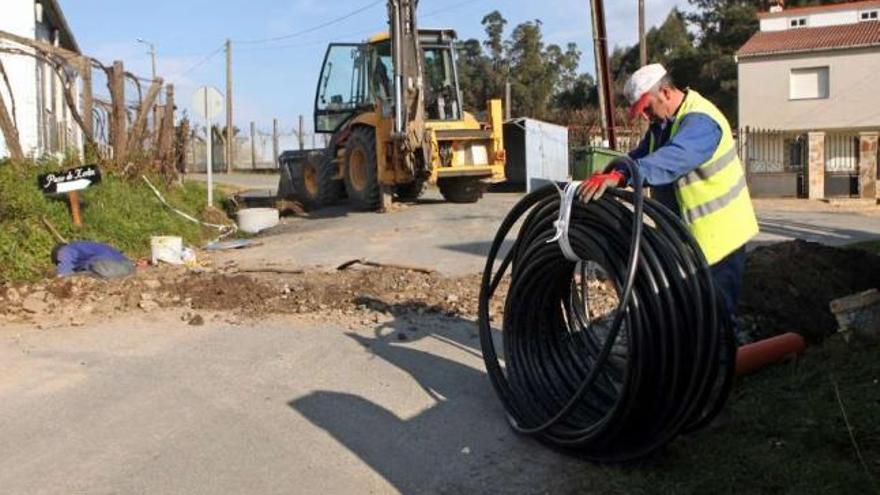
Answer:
(70, 182)
(208, 103)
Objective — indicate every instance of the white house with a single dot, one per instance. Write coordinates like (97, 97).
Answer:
(41, 115)
(808, 81)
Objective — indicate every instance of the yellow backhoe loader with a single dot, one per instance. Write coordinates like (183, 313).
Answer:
(393, 110)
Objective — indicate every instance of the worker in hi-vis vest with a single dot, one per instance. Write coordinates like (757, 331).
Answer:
(688, 158)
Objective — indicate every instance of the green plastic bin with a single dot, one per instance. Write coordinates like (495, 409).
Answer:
(588, 159)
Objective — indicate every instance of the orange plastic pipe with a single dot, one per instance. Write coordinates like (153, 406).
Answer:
(754, 356)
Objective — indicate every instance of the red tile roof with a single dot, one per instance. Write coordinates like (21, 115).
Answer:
(866, 4)
(796, 40)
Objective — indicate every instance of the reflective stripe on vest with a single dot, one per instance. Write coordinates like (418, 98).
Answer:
(716, 204)
(714, 198)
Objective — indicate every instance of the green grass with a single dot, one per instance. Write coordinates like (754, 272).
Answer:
(872, 246)
(783, 432)
(122, 213)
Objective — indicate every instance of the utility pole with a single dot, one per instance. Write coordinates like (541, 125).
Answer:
(230, 144)
(643, 42)
(603, 74)
(152, 53)
(507, 100)
(275, 160)
(301, 137)
(253, 145)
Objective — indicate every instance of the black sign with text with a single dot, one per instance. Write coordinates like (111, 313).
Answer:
(66, 181)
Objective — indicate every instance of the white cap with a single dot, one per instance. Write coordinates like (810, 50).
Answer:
(639, 86)
(642, 81)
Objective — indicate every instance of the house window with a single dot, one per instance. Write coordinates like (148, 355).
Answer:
(869, 15)
(798, 22)
(809, 83)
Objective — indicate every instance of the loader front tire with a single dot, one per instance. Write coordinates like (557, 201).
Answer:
(411, 191)
(361, 172)
(461, 189)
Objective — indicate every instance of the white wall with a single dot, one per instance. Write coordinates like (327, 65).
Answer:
(833, 18)
(18, 18)
(852, 103)
(818, 19)
(774, 24)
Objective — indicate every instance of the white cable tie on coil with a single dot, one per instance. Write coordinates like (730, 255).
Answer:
(567, 199)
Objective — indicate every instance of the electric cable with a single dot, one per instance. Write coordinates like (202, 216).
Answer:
(313, 28)
(614, 387)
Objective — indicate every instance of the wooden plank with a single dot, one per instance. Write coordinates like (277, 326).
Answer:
(73, 197)
(166, 133)
(88, 102)
(136, 134)
(10, 133)
(42, 46)
(118, 114)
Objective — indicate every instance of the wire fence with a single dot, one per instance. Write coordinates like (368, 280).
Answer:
(256, 150)
(95, 110)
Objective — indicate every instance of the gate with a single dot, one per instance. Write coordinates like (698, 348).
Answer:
(841, 165)
(775, 162)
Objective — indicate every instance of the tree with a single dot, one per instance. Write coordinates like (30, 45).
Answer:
(473, 67)
(581, 95)
(538, 74)
(496, 80)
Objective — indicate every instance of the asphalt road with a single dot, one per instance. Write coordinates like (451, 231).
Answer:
(148, 404)
(455, 238)
(145, 403)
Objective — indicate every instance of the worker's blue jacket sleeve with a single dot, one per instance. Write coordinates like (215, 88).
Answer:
(79, 255)
(694, 144)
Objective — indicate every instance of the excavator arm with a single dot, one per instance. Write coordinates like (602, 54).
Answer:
(409, 131)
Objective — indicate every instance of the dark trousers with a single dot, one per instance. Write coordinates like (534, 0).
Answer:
(727, 275)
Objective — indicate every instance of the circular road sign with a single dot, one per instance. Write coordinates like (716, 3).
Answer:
(208, 102)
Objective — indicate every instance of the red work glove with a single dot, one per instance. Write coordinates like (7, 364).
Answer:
(595, 187)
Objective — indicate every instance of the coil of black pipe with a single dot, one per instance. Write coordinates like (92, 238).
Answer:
(620, 389)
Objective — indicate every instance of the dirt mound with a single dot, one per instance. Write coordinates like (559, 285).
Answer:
(360, 292)
(788, 286)
(222, 292)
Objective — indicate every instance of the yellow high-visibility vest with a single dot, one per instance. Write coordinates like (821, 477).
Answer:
(714, 198)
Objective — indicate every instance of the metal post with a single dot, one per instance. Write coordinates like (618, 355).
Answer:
(397, 62)
(507, 99)
(230, 143)
(643, 42)
(301, 133)
(603, 76)
(210, 146)
(275, 160)
(253, 146)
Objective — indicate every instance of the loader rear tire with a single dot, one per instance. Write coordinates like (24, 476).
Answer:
(461, 189)
(361, 172)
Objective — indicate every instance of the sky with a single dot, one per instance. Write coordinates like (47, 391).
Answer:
(278, 79)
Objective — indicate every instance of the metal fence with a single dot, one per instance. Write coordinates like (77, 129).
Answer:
(842, 164)
(775, 161)
(256, 150)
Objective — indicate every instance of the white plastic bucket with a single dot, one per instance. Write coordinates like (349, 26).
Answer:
(167, 248)
(254, 220)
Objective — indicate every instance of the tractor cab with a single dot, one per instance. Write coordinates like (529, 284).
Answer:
(358, 77)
